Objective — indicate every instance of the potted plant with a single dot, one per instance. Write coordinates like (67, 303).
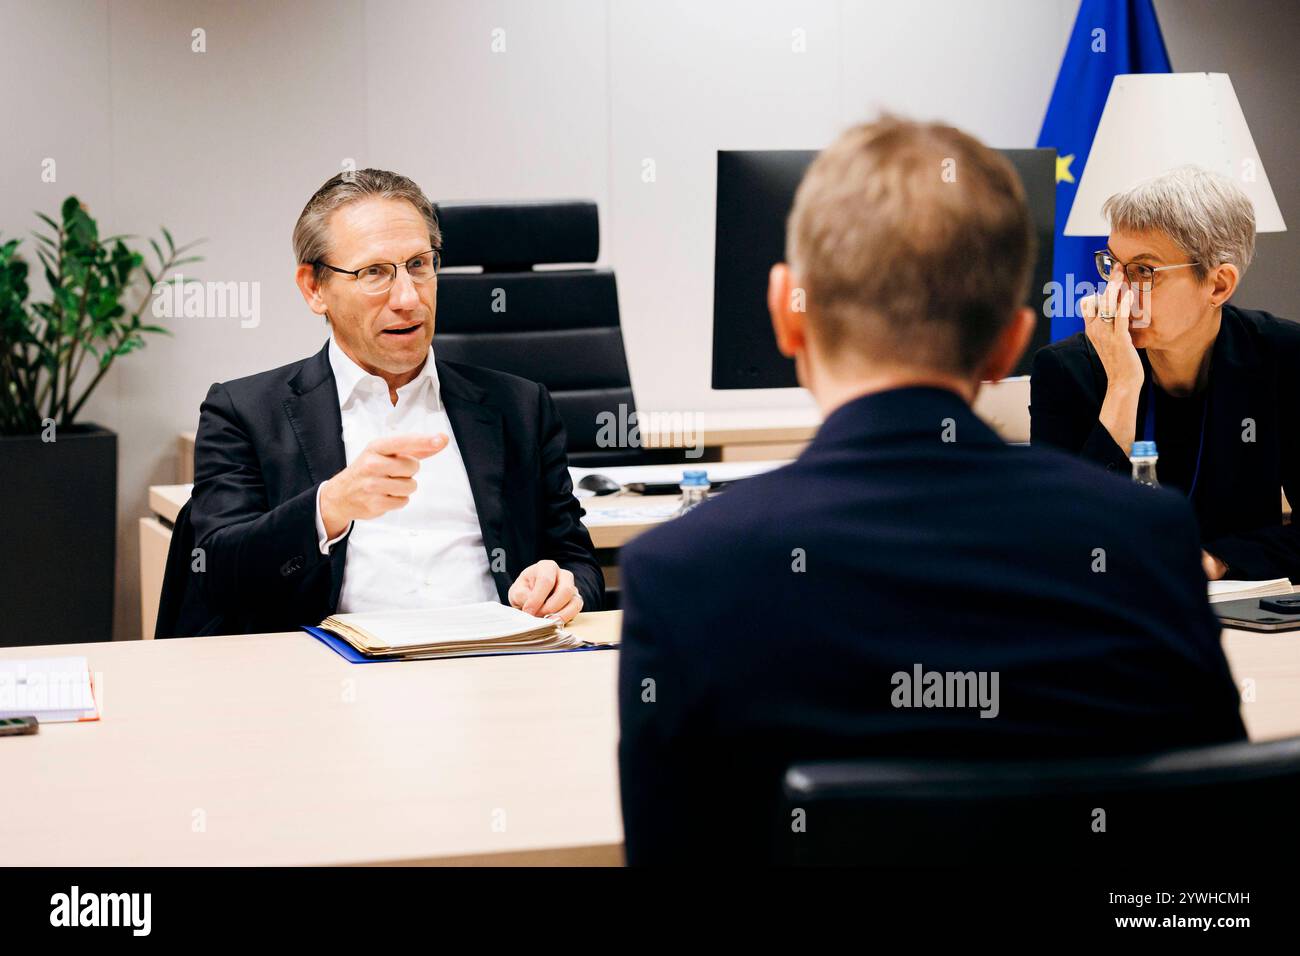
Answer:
(58, 476)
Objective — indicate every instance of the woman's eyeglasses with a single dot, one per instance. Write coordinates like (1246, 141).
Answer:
(1138, 274)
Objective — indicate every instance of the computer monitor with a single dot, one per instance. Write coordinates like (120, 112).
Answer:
(755, 192)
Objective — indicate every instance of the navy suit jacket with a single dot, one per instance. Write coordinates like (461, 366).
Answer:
(266, 442)
(765, 627)
(1254, 378)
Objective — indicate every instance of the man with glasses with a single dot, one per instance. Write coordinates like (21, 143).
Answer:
(1165, 357)
(373, 476)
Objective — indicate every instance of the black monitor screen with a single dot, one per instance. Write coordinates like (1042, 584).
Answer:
(755, 192)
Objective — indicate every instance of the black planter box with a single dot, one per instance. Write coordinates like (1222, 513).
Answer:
(58, 536)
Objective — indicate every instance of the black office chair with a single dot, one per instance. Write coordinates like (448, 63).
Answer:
(1202, 804)
(182, 610)
(559, 327)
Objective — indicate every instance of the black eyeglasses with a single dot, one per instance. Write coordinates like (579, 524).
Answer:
(1137, 273)
(378, 277)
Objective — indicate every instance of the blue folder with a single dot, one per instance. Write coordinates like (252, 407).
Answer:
(353, 656)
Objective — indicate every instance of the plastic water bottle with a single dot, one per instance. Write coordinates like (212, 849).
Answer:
(695, 488)
(1144, 457)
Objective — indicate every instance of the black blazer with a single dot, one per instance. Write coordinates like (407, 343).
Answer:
(267, 441)
(771, 619)
(1254, 374)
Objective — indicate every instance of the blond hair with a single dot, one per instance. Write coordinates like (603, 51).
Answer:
(913, 243)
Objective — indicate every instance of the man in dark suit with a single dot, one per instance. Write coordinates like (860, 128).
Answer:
(798, 615)
(306, 500)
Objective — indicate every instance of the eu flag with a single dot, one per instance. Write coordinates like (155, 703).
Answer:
(1109, 37)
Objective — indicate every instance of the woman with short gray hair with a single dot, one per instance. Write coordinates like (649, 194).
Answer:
(1165, 358)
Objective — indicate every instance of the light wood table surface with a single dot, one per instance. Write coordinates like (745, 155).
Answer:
(273, 750)
(1271, 662)
(166, 501)
(749, 434)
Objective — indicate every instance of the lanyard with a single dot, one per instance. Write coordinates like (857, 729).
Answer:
(1149, 428)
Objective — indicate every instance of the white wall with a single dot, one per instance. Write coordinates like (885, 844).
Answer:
(230, 143)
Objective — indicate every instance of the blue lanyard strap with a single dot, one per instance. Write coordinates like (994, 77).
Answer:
(1149, 428)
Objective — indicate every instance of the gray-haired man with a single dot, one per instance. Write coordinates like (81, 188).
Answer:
(371, 475)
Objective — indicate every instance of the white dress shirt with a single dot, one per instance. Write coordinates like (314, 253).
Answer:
(429, 553)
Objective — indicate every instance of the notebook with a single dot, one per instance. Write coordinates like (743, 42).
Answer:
(467, 630)
(1239, 590)
(51, 689)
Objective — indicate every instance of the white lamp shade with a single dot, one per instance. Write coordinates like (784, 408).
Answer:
(1155, 122)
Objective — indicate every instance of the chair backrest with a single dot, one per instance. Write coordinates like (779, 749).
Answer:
(182, 609)
(559, 327)
(1204, 803)
(176, 576)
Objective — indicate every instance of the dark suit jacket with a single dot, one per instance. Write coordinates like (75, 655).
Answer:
(1254, 374)
(772, 618)
(267, 441)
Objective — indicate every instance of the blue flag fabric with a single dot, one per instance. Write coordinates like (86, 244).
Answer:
(1109, 37)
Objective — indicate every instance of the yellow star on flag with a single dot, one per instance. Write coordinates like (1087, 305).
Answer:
(1063, 174)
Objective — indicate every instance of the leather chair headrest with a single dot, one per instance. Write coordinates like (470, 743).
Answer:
(513, 236)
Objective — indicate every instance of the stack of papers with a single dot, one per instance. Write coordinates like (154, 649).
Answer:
(466, 630)
(1240, 590)
(718, 471)
(51, 689)
(650, 510)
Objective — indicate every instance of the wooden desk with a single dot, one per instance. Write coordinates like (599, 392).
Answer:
(272, 750)
(753, 434)
(756, 434)
(750, 434)
(166, 501)
(1272, 663)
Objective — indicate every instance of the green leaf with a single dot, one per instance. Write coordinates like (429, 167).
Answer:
(89, 280)
(50, 268)
(71, 206)
(189, 245)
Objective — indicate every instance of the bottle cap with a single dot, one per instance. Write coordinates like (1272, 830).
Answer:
(1143, 449)
(695, 477)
